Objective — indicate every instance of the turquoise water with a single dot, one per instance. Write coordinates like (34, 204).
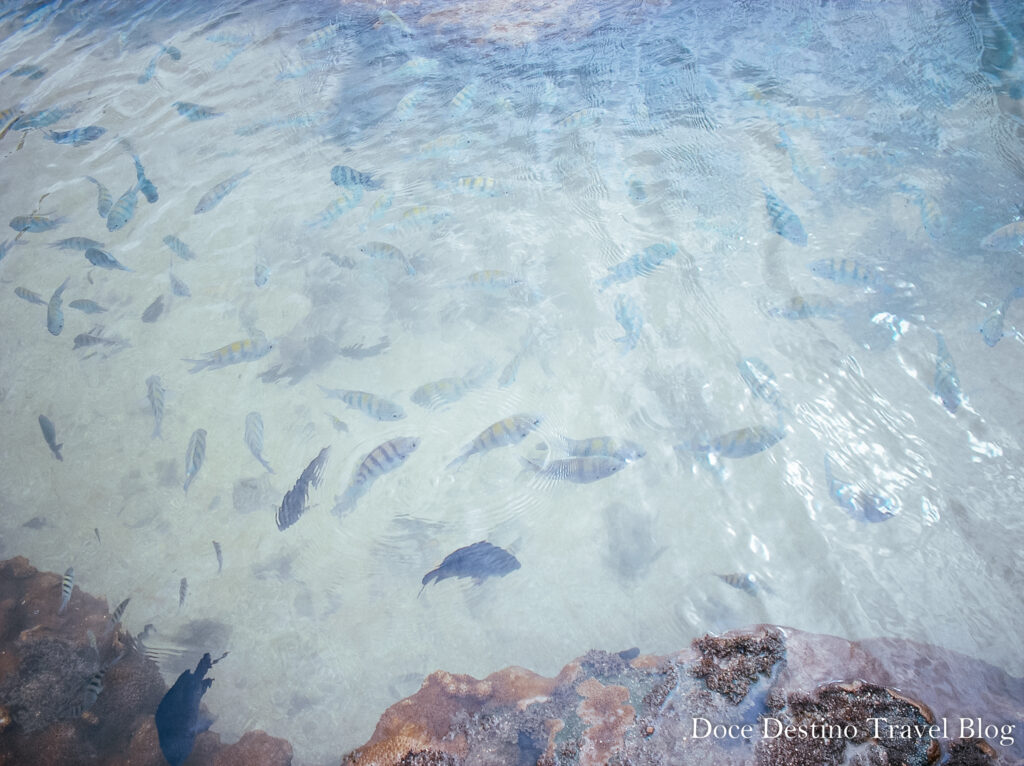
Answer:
(516, 158)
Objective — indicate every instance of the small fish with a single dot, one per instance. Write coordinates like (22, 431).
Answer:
(194, 456)
(220, 556)
(932, 218)
(483, 186)
(845, 271)
(103, 259)
(246, 350)
(339, 425)
(147, 187)
(155, 393)
(385, 251)
(179, 248)
(261, 274)
(407, 104)
(36, 223)
(42, 119)
(635, 189)
(579, 470)
(76, 137)
(27, 295)
(54, 312)
(1007, 238)
(67, 584)
(438, 393)
(96, 531)
(182, 592)
(760, 380)
(382, 459)
(381, 205)
(806, 307)
(388, 18)
(947, 384)
(742, 442)
(178, 720)
(369, 404)
(154, 310)
(494, 280)
(322, 37)
(94, 337)
(6, 245)
(31, 71)
(992, 328)
(212, 198)
(627, 314)
(359, 351)
(195, 112)
(349, 199)
(607, 446)
(178, 287)
(93, 688)
(638, 265)
(785, 222)
(462, 100)
(104, 200)
(76, 243)
(122, 211)
(745, 582)
(295, 501)
(479, 561)
(504, 433)
(254, 438)
(116, 616)
(856, 502)
(343, 175)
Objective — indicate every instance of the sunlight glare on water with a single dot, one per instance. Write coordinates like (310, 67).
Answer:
(590, 213)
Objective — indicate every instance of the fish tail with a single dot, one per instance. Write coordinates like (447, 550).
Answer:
(265, 464)
(344, 503)
(458, 461)
(200, 364)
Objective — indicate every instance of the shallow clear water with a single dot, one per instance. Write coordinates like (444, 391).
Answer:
(892, 131)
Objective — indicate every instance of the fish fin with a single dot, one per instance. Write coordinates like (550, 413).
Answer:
(458, 461)
(200, 364)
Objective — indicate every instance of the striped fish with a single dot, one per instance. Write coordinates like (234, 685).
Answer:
(54, 312)
(408, 103)
(86, 306)
(742, 442)
(845, 271)
(194, 456)
(104, 260)
(179, 248)
(348, 200)
(246, 350)
(462, 100)
(195, 112)
(504, 433)
(27, 295)
(932, 218)
(638, 265)
(182, 592)
(992, 328)
(493, 279)
(947, 384)
(122, 211)
(104, 200)
(115, 617)
(479, 185)
(785, 222)
(36, 223)
(579, 470)
(745, 582)
(860, 505)
(385, 251)
(296, 499)
(381, 205)
(438, 393)
(369, 404)
(155, 394)
(760, 380)
(93, 688)
(1007, 238)
(212, 198)
(381, 460)
(147, 187)
(607, 446)
(67, 584)
(76, 243)
(343, 175)
(254, 438)
(77, 136)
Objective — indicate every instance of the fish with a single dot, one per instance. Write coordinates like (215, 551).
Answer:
(179, 248)
(178, 720)
(96, 531)
(579, 470)
(154, 310)
(93, 688)
(627, 314)
(220, 556)
(182, 592)
(212, 198)
(295, 500)
(94, 337)
(493, 279)
(104, 260)
(54, 313)
(992, 328)
(349, 199)
(932, 218)
(339, 425)
(483, 186)
(67, 584)
(367, 403)
(388, 18)
(122, 211)
(42, 119)
(859, 504)
(115, 617)
(607, 446)
(785, 222)
(76, 137)
(343, 175)
(946, 384)
(806, 307)
(462, 100)
(254, 438)
(479, 561)
(246, 350)
(1008, 238)
(31, 71)
(503, 433)
(359, 351)
(638, 265)
(382, 459)
(155, 393)
(438, 393)
(381, 205)
(746, 582)
(406, 106)
(104, 200)
(845, 271)
(635, 189)
(6, 245)
(322, 37)
(36, 223)
(27, 295)
(261, 274)
(195, 112)
(194, 456)
(76, 243)
(742, 442)
(146, 186)
(385, 251)
(760, 380)
(178, 287)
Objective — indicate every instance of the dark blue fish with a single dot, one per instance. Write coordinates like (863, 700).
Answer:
(104, 200)
(76, 137)
(36, 223)
(859, 504)
(103, 259)
(42, 119)
(343, 175)
(50, 435)
(294, 503)
(784, 221)
(479, 561)
(194, 112)
(147, 187)
(123, 210)
(178, 720)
